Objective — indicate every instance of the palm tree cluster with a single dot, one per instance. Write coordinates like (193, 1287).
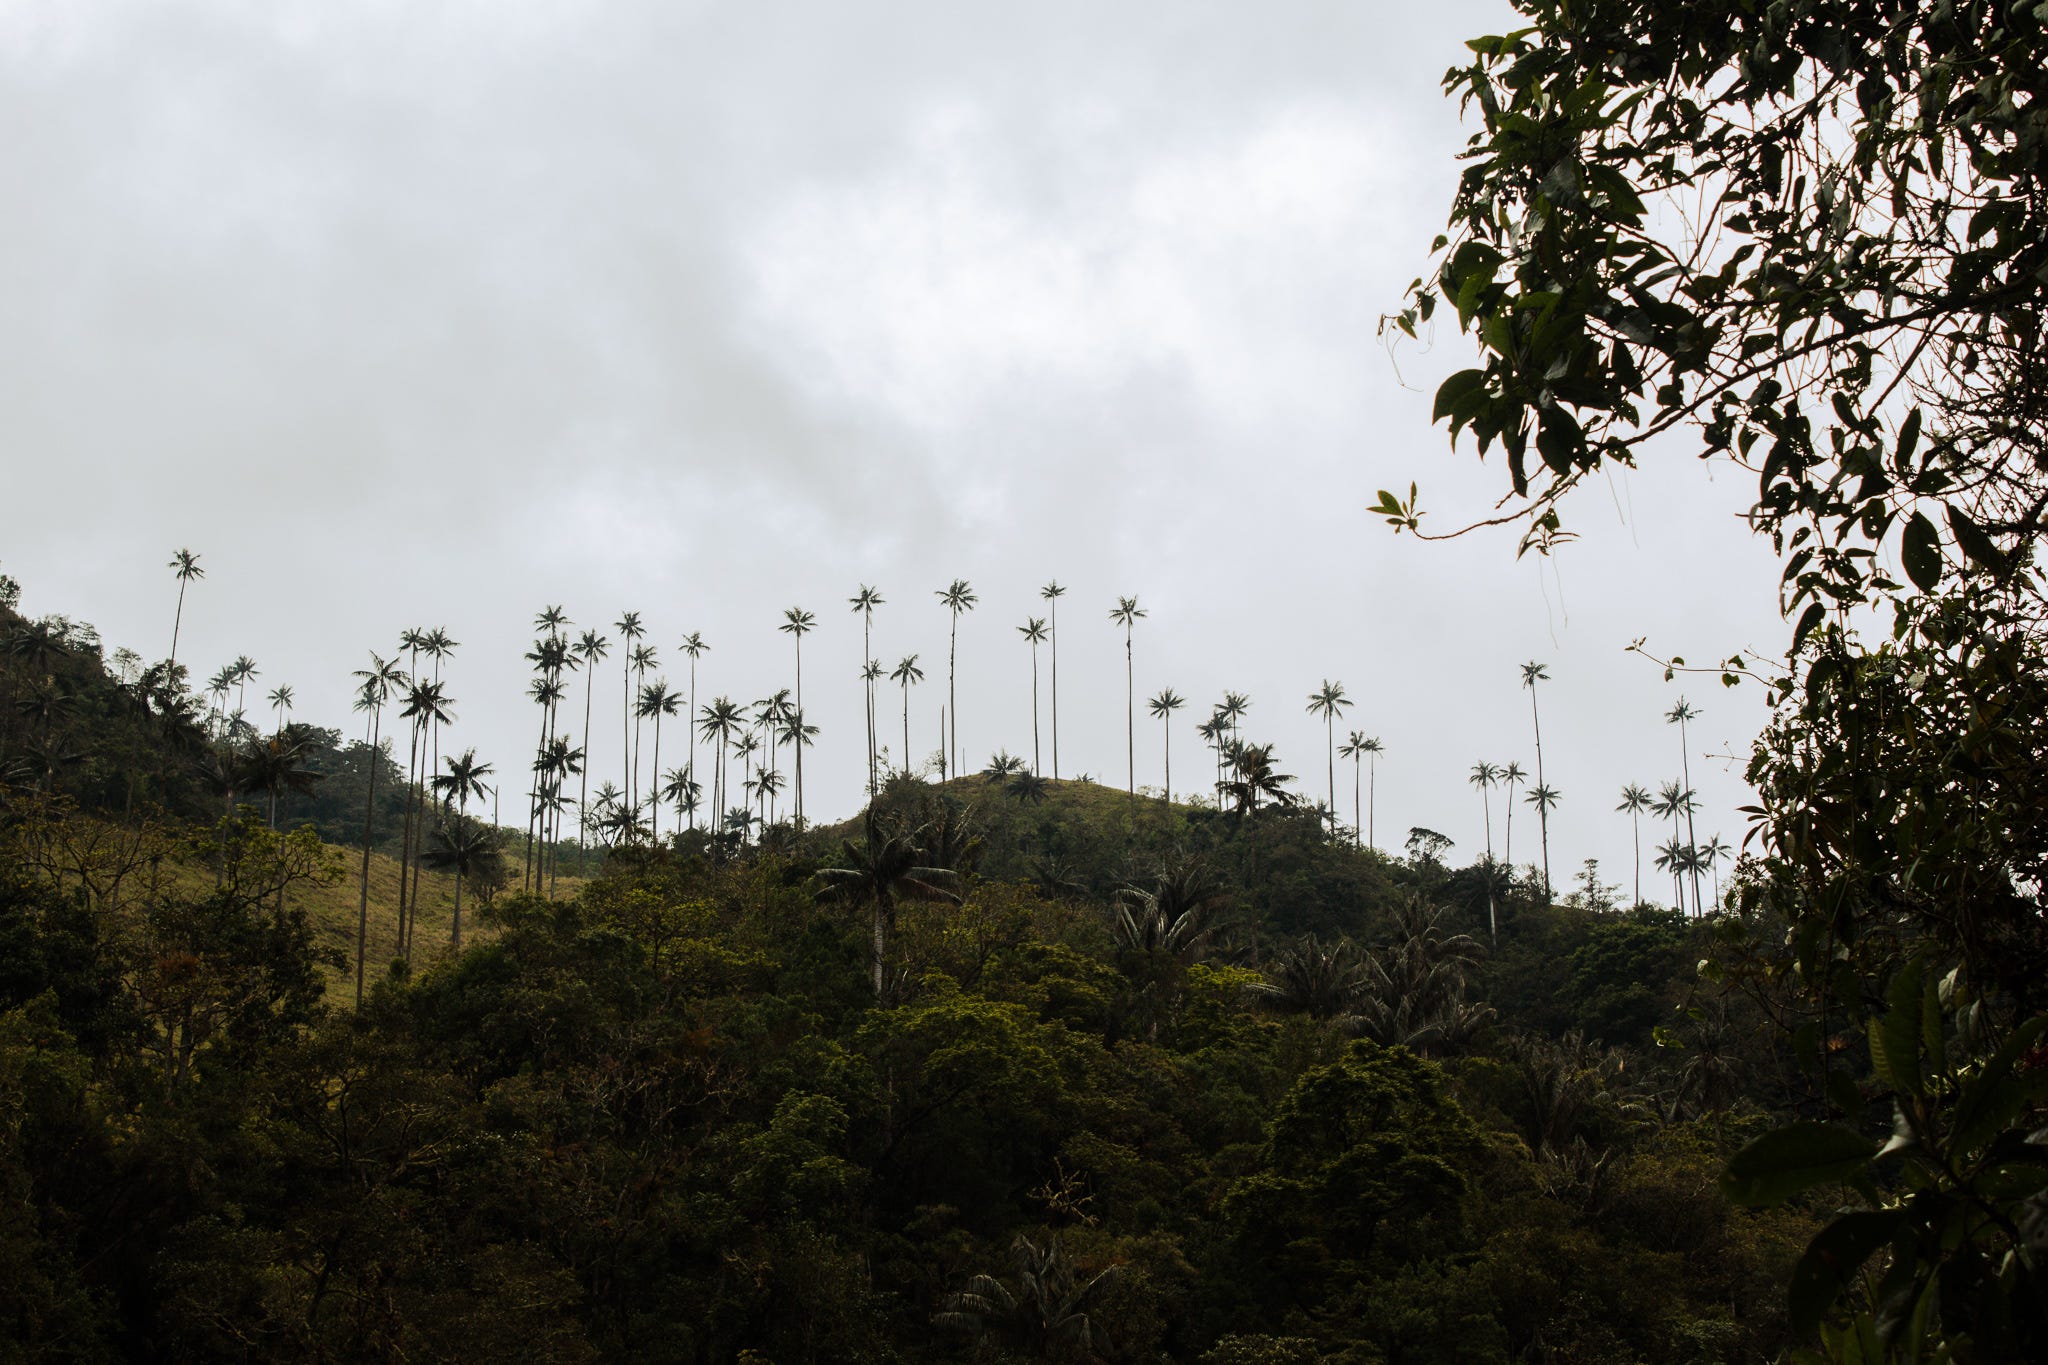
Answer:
(1682, 855)
(1410, 992)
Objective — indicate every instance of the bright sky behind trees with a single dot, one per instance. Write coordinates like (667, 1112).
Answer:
(403, 318)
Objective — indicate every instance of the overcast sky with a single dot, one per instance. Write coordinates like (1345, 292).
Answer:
(403, 314)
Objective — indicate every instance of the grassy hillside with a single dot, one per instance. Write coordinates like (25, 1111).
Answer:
(334, 911)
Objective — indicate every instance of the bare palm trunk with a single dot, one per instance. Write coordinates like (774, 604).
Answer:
(1542, 811)
(799, 740)
(1691, 840)
(949, 730)
(177, 624)
(1330, 757)
(1166, 725)
(1036, 767)
(1055, 637)
(906, 729)
(583, 785)
(1355, 810)
(1130, 721)
(369, 822)
(1635, 820)
(1372, 782)
(690, 769)
(867, 654)
(654, 794)
(405, 834)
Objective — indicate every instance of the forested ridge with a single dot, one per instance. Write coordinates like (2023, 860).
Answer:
(1190, 1083)
(1019, 1068)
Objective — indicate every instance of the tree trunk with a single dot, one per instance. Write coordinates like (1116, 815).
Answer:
(369, 822)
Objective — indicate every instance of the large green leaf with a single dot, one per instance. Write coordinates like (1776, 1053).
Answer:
(1787, 1160)
(1920, 552)
(1831, 1262)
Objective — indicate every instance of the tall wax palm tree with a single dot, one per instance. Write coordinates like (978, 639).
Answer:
(1372, 749)
(1680, 715)
(374, 690)
(1163, 706)
(1354, 748)
(1511, 776)
(1213, 731)
(1126, 613)
(546, 692)
(681, 791)
(1634, 801)
(887, 866)
(865, 601)
(1544, 799)
(1051, 593)
(426, 703)
(797, 623)
(1710, 855)
(439, 646)
(1674, 799)
(185, 565)
(464, 849)
(1533, 673)
(871, 673)
(1678, 858)
(906, 673)
(718, 722)
(746, 744)
(1329, 702)
(591, 648)
(463, 779)
(958, 597)
(631, 632)
(281, 702)
(693, 645)
(642, 658)
(1483, 776)
(243, 668)
(1033, 630)
(790, 728)
(656, 701)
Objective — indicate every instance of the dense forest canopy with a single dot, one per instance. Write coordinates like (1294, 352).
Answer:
(1016, 1066)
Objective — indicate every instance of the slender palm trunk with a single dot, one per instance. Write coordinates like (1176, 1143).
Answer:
(583, 786)
(949, 738)
(405, 832)
(1635, 820)
(1372, 782)
(639, 681)
(369, 823)
(177, 623)
(1355, 811)
(1507, 852)
(1055, 638)
(867, 647)
(1130, 721)
(1036, 768)
(881, 941)
(1691, 840)
(1486, 803)
(690, 769)
(799, 740)
(1330, 757)
(455, 925)
(906, 729)
(626, 722)
(1542, 811)
(654, 793)
(1166, 725)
